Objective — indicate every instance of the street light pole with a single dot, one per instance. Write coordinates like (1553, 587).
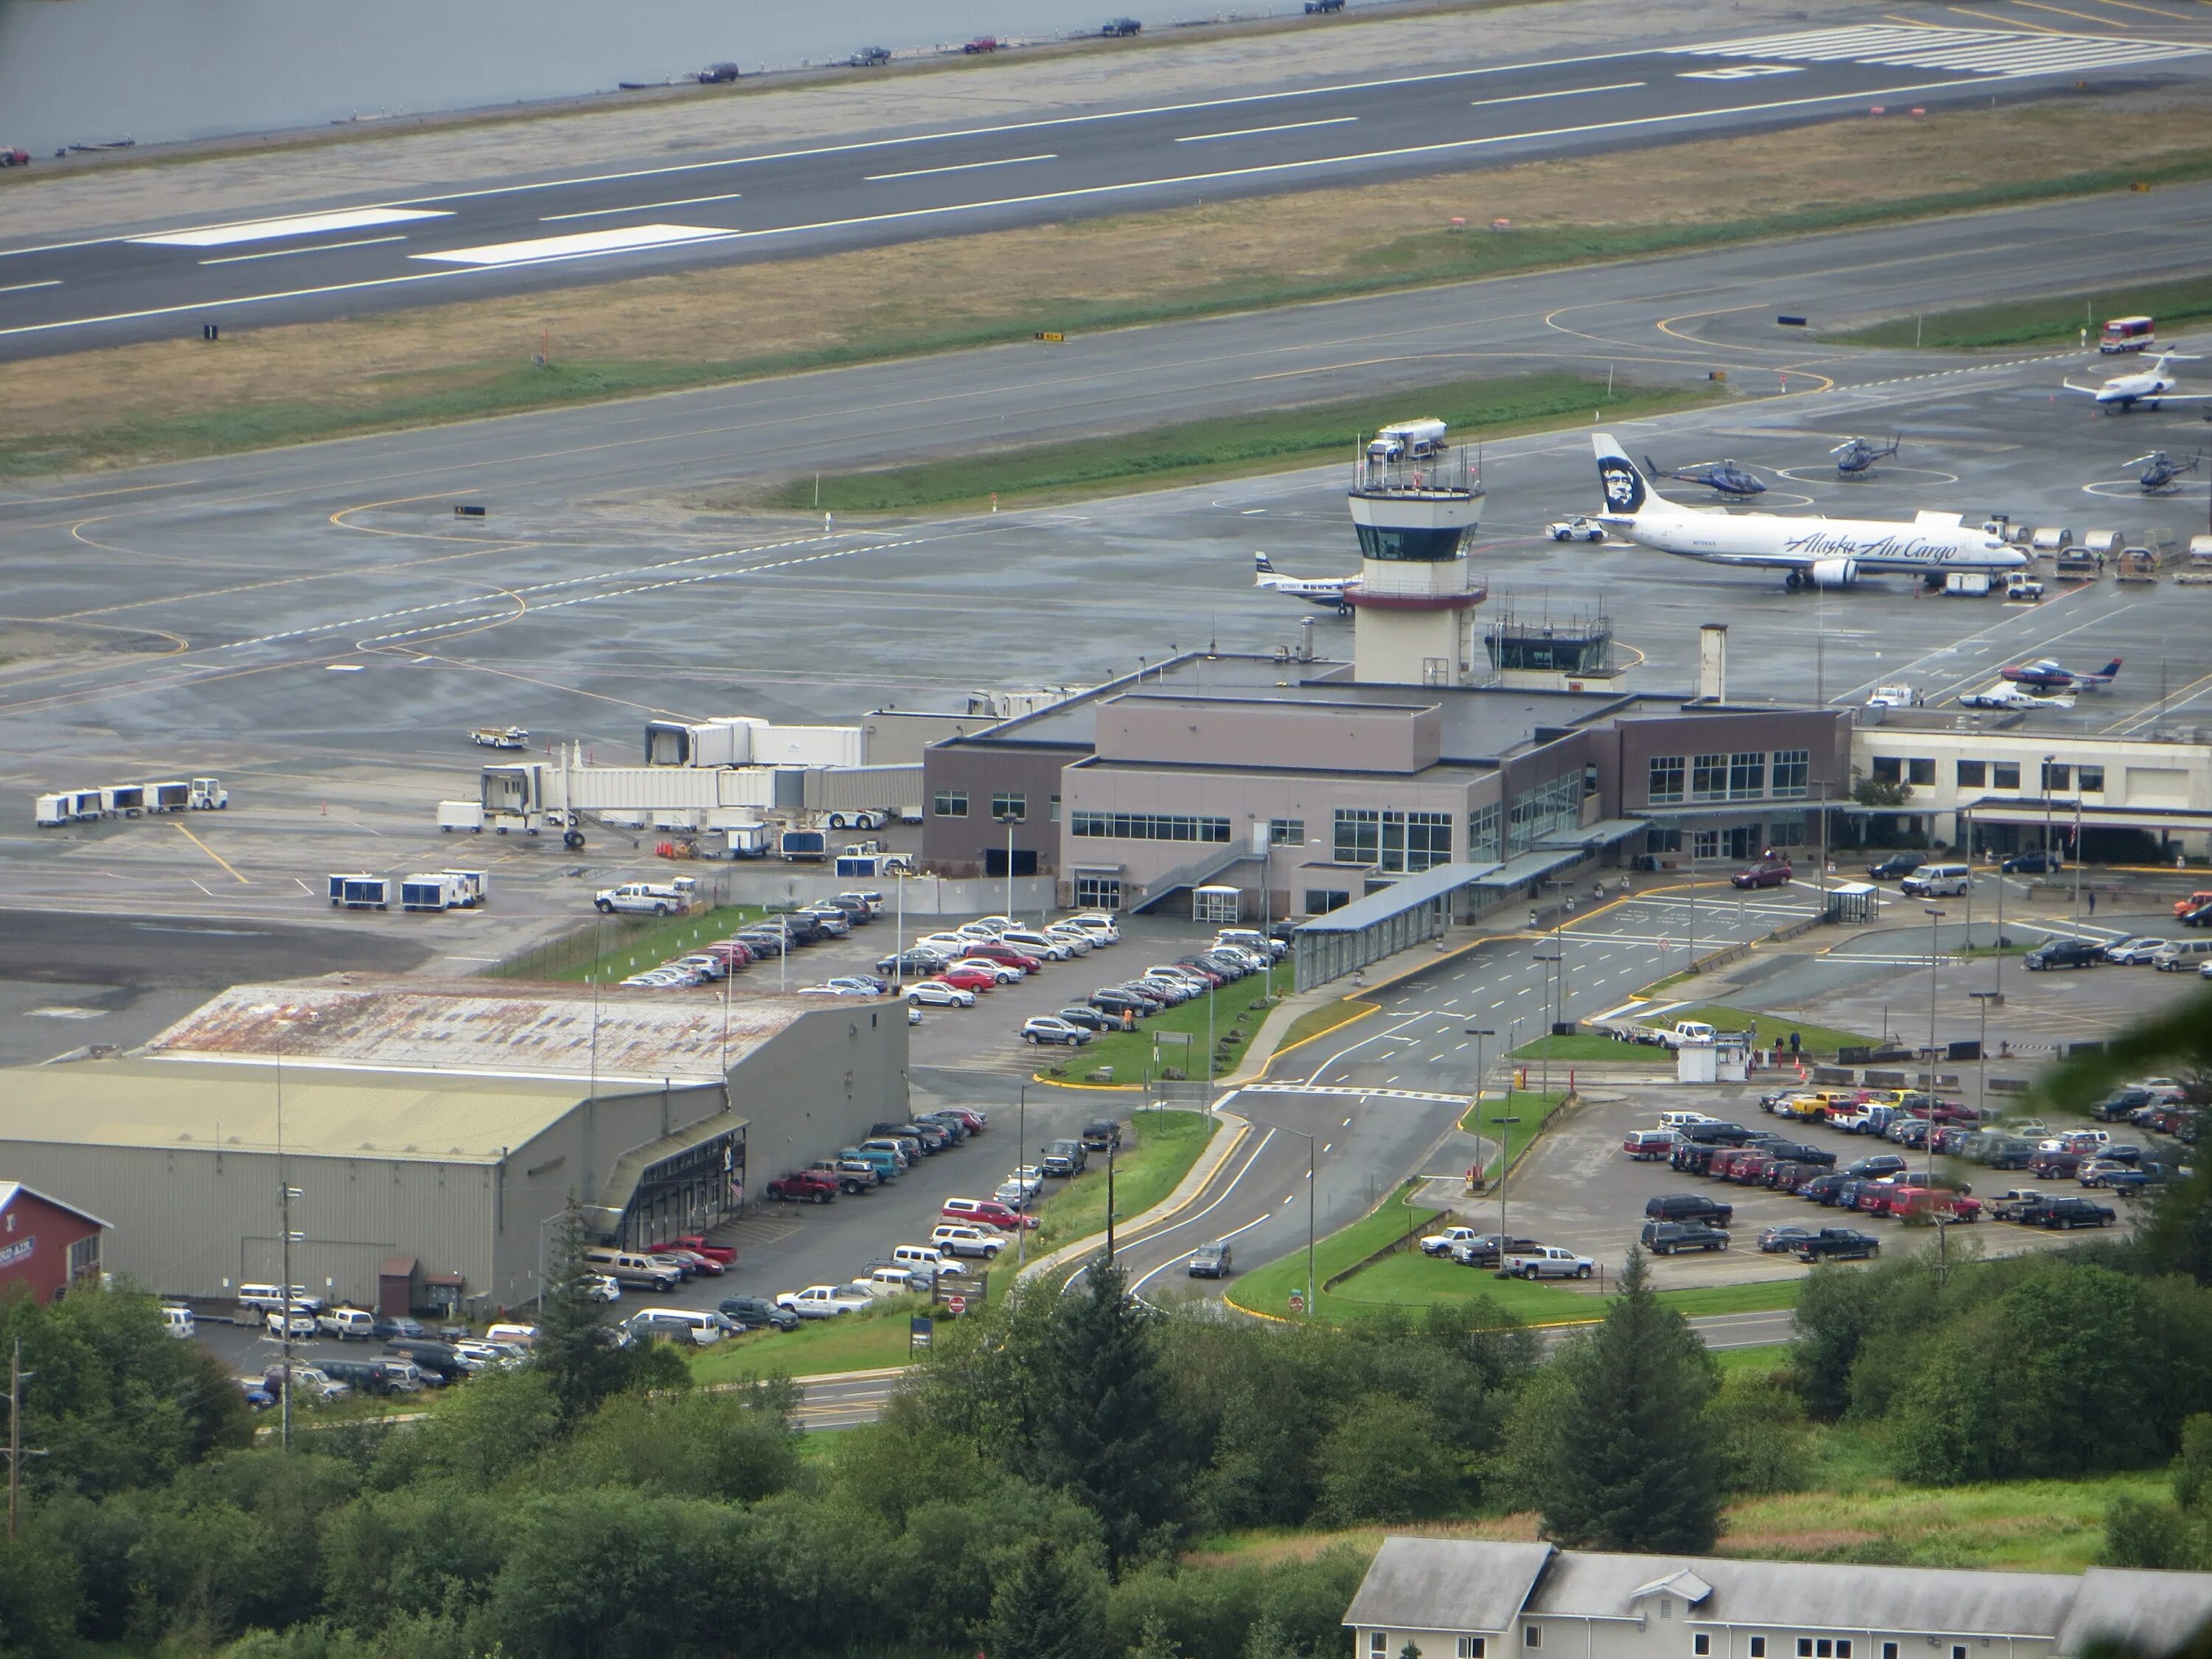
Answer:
(1547, 1038)
(1010, 820)
(1312, 1182)
(2047, 761)
(1022, 1145)
(1982, 1000)
(1935, 919)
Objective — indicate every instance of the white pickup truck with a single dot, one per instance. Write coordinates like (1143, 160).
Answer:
(1687, 1034)
(646, 898)
(1440, 1243)
(824, 1300)
(1549, 1262)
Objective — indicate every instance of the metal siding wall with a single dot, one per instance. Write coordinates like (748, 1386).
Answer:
(193, 1222)
(819, 1084)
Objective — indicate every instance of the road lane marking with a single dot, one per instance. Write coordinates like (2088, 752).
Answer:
(212, 854)
(641, 207)
(957, 167)
(578, 244)
(1254, 132)
(304, 224)
(292, 252)
(1216, 177)
(25, 288)
(1569, 92)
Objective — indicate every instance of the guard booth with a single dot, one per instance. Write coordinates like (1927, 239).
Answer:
(1217, 907)
(1854, 901)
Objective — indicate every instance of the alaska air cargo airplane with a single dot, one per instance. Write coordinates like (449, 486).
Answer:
(1809, 552)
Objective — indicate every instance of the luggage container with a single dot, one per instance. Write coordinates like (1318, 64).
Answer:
(174, 796)
(438, 892)
(360, 890)
(2051, 540)
(475, 886)
(127, 800)
(49, 811)
(461, 814)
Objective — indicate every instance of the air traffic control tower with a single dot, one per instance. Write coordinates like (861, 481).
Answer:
(1413, 609)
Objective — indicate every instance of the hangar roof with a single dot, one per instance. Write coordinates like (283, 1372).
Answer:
(487, 1028)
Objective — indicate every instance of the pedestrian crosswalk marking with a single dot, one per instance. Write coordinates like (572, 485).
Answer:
(1981, 51)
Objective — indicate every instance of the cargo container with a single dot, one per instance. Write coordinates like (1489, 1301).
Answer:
(360, 892)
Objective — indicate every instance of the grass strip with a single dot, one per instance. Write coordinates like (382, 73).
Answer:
(1768, 1029)
(1136, 1056)
(1526, 1108)
(2054, 319)
(1195, 450)
(615, 947)
(1167, 1144)
(1582, 1046)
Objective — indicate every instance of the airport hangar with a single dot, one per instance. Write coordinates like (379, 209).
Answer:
(431, 1130)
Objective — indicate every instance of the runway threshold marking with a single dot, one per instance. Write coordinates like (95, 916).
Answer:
(295, 252)
(304, 224)
(212, 854)
(575, 244)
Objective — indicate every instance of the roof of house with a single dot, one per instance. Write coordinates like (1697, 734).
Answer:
(487, 1028)
(1462, 1584)
(12, 1190)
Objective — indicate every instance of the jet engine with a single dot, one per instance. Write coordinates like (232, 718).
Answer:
(1835, 573)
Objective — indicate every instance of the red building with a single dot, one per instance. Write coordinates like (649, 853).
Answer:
(45, 1244)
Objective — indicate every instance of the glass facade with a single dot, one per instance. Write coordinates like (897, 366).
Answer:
(1359, 835)
(1485, 835)
(1409, 546)
(1148, 826)
(1549, 808)
(1748, 775)
(1793, 773)
(1666, 777)
(1709, 777)
(1098, 892)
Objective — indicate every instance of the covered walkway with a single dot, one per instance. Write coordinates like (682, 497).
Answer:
(1386, 921)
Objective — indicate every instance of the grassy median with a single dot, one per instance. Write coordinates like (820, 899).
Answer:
(177, 398)
(2059, 319)
(1178, 1037)
(614, 947)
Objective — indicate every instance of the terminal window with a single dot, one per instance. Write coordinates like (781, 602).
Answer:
(1709, 777)
(1148, 826)
(1470, 1647)
(2059, 779)
(1758, 1647)
(1287, 832)
(1658, 840)
(2004, 774)
(1793, 773)
(1098, 892)
(1005, 805)
(1701, 1645)
(2090, 780)
(1359, 835)
(1973, 774)
(951, 804)
(1428, 840)
(1888, 768)
(1748, 775)
(1666, 775)
(1485, 831)
(1920, 771)
(1319, 901)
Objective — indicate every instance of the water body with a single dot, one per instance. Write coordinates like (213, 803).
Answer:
(94, 71)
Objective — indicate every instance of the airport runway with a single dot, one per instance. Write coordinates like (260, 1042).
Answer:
(315, 626)
(488, 236)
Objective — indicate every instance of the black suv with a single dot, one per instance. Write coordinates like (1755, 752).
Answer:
(1838, 1244)
(2065, 1214)
(1120, 27)
(1717, 1135)
(756, 1314)
(1688, 1206)
(1797, 1152)
(1873, 1168)
(1666, 1237)
(1896, 867)
(2063, 954)
(1101, 1133)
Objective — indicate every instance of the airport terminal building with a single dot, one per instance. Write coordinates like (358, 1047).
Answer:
(430, 1131)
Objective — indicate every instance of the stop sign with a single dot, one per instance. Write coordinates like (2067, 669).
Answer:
(956, 1305)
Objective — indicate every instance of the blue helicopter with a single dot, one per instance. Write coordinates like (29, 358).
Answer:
(2162, 473)
(1855, 457)
(1724, 476)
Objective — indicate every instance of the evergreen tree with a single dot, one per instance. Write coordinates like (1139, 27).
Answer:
(1633, 1464)
(1051, 1605)
(1101, 1428)
(574, 1351)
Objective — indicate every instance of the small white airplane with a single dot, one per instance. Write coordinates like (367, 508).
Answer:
(2005, 695)
(1330, 593)
(2150, 388)
(1809, 552)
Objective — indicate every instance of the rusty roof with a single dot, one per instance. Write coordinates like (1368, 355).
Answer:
(481, 1028)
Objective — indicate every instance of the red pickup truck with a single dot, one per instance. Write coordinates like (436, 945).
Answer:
(802, 1186)
(15, 158)
(698, 1245)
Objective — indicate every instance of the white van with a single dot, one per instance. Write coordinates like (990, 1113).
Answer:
(348, 1324)
(1938, 881)
(522, 1336)
(2181, 955)
(920, 1259)
(692, 1325)
(1251, 939)
(270, 1299)
(177, 1322)
(627, 1269)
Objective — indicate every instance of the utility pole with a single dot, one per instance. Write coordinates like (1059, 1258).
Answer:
(1935, 920)
(1109, 1199)
(16, 1377)
(1021, 1162)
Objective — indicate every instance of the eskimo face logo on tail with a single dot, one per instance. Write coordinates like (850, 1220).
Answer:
(1623, 490)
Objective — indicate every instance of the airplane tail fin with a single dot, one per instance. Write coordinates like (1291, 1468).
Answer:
(1262, 564)
(2110, 670)
(1626, 492)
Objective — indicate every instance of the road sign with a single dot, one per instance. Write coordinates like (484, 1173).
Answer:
(1051, 337)
(956, 1305)
(1297, 1302)
(919, 1330)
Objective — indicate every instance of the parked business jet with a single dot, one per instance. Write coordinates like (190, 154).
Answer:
(2150, 386)
(1327, 591)
(1809, 552)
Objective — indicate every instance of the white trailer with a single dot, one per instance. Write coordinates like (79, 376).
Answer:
(475, 886)
(433, 892)
(174, 795)
(51, 811)
(467, 815)
(125, 800)
(360, 890)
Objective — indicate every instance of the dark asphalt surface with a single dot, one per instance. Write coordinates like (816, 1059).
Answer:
(626, 216)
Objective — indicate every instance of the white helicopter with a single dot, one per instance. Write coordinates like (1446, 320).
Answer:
(2150, 388)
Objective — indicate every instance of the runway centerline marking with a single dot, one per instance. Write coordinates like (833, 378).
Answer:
(1254, 132)
(25, 288)
(1568, 92)
(294, 252)
(958, 166)
(641, 207)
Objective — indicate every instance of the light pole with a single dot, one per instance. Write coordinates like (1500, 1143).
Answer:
(1547, 1038)
(2047, 761)
(1935, 919)
(1479, 1032)
(1022, 1141)
(1982, 1001)
(2076, 859)
(1010, 819)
